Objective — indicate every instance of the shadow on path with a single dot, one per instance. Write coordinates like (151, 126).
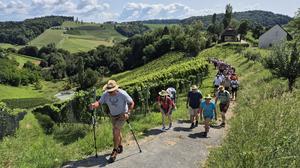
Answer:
(92, 161)
(178, 129)
(153, 132)
(197, 135)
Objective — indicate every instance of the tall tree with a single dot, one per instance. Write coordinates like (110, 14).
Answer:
(285, 62)
(214, 18)
(243, 28)
(228, 16)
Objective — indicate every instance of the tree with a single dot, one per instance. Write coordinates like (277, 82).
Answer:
(228, 16)
(285, 62)
(80, 70)
(243, 28)
(149, 51)
(90, 79)
(214, 18)
(29, 50)
(257, 31)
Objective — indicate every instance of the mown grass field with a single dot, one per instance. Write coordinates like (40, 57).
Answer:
(22, 59)
(48, 91)
(82, 37)
(6, 45)
(49, 36)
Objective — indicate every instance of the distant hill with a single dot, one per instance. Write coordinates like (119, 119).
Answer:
(24, 31)
(265, 18)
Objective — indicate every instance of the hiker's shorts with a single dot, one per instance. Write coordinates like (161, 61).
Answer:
(118, 121)
(193, 111)
(234, 89)
(223, 107)
(166, 111)
(208, 117)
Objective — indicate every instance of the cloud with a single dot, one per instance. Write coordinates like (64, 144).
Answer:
(141, 11)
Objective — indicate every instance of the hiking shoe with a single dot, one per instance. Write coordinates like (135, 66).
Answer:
(205, 134)
(170, 126)
(222, 125)
(113, 156)
(163, 128)
(192, 126)
(120, 149)
(196, 124)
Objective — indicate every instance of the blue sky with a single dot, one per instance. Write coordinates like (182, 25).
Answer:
(127, 10)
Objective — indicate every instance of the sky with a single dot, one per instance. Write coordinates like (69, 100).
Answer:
(130, 10)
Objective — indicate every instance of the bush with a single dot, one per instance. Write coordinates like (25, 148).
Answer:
(252, 54)
(69, 133)
(46, 122)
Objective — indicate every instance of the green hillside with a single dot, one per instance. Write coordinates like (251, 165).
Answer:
(22, 59)
(79, 36)
(49, 36)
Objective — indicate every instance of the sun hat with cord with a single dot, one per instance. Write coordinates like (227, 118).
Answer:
(208, 97)
(194, 87)
(163, 93)
(221, 88)
(111, 86)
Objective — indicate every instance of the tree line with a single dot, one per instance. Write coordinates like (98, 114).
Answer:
(22, 32)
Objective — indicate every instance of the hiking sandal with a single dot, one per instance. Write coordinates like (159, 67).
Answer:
(113, 156)
(120, 149)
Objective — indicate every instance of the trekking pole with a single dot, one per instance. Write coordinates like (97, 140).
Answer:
(94, 124)
(134, 136)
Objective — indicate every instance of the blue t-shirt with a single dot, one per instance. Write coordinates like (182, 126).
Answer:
(118, 103)
(208, 109)
(194, 99)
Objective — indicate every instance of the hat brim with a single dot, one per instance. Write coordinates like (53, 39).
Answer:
(208, 98)
(110, 89)
(163, 94)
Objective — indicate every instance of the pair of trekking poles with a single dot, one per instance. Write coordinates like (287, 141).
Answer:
(94, 122)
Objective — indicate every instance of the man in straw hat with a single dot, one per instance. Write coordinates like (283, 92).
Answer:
(208, 109)
(224, 97)
(165, 105)
(120, 105)
(193, 104)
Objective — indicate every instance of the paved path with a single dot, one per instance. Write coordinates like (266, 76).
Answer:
(179, 147)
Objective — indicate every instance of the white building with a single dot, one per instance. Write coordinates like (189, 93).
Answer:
(273, 36)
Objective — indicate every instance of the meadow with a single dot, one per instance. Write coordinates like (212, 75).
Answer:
(79, 36)
(22, 59)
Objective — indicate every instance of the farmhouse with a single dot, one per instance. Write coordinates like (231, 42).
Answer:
(273, 36)
(229, 35)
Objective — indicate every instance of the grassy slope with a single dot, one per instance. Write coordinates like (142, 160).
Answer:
(265, 130)
(86, 37)
(22, 59)
(48, 91)
(6, 45)
(49, 36)
(59, 154)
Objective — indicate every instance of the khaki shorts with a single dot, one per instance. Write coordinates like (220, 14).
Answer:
(193, 112)
(118, 121)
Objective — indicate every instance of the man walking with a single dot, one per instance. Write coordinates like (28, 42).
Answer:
(224, 97)
(209, 112)
(193, 104)
(120, 105)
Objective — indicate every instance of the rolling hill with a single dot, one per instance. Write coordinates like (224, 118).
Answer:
(265, 18)
(76, 37)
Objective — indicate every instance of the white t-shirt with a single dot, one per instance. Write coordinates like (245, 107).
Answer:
(118, 103)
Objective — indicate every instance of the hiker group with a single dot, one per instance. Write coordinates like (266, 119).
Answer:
(120, 104)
